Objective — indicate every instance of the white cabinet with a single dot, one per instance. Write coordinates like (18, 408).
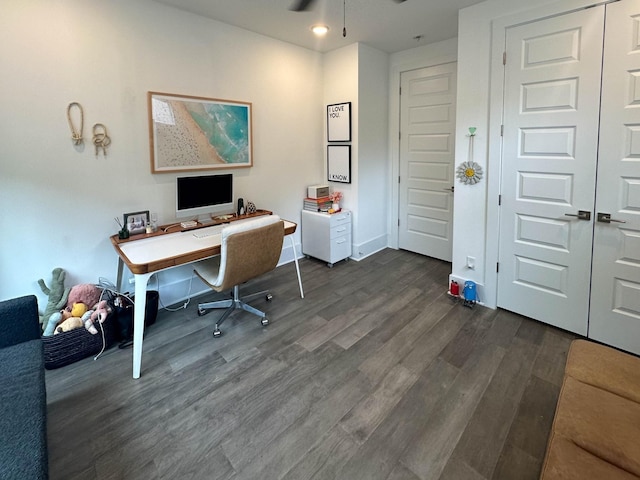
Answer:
(326, 236)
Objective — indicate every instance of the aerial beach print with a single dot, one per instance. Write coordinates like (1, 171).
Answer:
(193, 133)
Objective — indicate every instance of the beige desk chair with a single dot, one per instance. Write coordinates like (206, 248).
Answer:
(248, 250)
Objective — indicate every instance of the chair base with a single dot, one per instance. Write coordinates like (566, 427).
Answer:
(232, 304)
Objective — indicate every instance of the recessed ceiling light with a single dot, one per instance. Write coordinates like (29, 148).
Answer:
(320, 29)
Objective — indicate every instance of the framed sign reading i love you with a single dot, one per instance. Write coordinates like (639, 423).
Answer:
(339, 122)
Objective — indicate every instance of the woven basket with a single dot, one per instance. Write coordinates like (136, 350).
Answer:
(69, 347)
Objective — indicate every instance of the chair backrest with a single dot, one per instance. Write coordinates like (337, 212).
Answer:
(249, 249)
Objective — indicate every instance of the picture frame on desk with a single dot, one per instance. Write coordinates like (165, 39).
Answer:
(189, 133)
(339, 163)
(136, 222)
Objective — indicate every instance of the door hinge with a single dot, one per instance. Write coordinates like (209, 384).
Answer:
(499, 200)
(501, 130)
(504, 58)
(398, 179)
(399, 90)
(399, 136)
(398, 222)
(497, 267)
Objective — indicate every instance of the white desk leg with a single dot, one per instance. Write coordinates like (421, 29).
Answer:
(138, 320)
(120, 272)
(295, 259)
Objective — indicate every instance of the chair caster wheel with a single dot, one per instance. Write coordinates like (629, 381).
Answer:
(201, 312)
(217, 333)
(264, 322)
(268, 297)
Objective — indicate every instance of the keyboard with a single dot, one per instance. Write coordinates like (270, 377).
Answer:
(208, 231)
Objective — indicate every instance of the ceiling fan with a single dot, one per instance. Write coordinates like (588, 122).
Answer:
(304, 5)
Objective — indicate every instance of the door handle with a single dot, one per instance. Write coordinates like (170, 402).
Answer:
(449, 189)
(582, 215)
(606, 218)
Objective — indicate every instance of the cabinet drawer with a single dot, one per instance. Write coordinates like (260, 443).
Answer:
(340, 230)
(340, 218)
(340, 248)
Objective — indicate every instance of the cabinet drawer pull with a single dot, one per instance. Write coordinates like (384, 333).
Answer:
(343, 229)
(341, 240)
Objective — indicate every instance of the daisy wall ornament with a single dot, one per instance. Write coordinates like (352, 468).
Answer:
(469, 173)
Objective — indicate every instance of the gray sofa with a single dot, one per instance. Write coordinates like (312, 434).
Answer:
(23, 422)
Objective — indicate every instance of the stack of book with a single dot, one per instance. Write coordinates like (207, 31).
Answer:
(322, 204)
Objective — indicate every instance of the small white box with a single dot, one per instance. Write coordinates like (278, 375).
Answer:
(318, 191)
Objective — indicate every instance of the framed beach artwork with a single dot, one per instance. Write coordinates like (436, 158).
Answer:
(195, 133)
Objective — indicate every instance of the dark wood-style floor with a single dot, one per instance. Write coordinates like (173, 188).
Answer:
(375, 374)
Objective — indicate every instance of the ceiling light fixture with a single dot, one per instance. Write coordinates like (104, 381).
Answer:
(320, 30)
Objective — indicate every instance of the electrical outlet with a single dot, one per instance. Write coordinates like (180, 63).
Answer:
(471, 263)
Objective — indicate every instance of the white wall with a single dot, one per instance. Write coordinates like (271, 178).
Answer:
(341, 85)
(478, 105)
(359, 74)
(370, 227)
(59, 201)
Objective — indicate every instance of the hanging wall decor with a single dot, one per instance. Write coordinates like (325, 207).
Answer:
(76, 133)
(339, 163)
(339, 122)
(100, 139)
(469, 172)
(196, 133)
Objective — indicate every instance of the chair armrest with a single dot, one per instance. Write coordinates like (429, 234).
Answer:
(19, 321)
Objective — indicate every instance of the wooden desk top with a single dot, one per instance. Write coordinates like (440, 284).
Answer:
(172, 245)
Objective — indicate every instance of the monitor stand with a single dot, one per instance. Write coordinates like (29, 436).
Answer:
(205, 219)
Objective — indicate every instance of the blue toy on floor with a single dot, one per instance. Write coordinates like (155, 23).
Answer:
(469, 293)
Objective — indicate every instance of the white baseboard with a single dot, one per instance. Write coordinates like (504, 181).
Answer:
(368, 248)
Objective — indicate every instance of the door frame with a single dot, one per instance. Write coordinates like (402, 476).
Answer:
(396, 70)
(496, 111)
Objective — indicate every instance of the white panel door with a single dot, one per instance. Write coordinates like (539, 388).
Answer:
(427, 124)
(550, 142)
(615, 299)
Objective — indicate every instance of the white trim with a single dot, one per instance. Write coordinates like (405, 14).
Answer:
(368, 248)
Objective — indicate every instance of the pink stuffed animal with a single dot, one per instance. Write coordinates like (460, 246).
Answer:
(99, 313)
(86, 293)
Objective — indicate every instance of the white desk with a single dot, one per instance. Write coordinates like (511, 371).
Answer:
(147, 254)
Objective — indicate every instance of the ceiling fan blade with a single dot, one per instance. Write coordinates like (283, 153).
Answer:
(302, 5)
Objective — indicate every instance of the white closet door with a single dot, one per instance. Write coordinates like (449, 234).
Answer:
(615, 298)
(552, 94)
(427, 116)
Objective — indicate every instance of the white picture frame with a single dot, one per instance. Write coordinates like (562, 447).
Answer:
(339, 122)
(339, 163)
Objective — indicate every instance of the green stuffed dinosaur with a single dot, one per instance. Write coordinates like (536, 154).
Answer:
(58, 294)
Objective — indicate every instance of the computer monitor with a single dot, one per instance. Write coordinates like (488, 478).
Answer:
(204, 196)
